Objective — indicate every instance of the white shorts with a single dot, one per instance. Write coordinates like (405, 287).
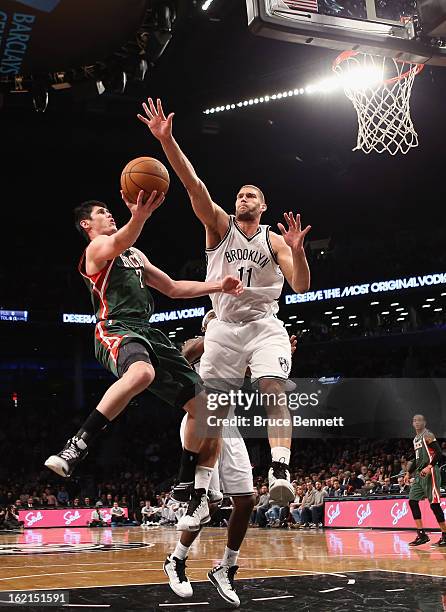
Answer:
(232, 474)
(229, 348)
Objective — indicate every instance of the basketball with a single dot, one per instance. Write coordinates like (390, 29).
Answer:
(144, 173)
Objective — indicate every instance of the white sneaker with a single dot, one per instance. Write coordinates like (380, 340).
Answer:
(197, 513)
(64, 462)
(222, 577)
(214, 496)
(281, 490)
(175, 570)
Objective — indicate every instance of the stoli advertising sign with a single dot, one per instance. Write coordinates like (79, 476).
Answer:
(383, 513)
(68, 517)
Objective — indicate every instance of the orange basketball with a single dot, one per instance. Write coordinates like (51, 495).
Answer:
(144, 173)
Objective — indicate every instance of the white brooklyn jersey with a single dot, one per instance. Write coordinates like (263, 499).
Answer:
(253, 261)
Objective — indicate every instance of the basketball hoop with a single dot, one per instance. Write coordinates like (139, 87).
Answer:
(382, 104)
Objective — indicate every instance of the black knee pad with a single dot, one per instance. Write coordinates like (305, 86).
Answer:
(438, 512)
(415, 507)
(130, 353)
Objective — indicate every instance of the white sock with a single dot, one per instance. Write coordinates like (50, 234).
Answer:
(203, 477)
(180, 551)
(230, 557)
(282, 454)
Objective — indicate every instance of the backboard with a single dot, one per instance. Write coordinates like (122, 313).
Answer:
(409, 30)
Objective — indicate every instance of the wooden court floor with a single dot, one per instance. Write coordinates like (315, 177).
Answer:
(276, 566)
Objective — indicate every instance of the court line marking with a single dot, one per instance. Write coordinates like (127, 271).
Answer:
(107, 586)
(393, 590)
(190, 603)
(412, 573)
(268, 598)
(86, 605)
(331, 590)
(351, 581)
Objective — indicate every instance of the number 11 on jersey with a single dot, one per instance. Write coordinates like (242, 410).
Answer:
(241, 272)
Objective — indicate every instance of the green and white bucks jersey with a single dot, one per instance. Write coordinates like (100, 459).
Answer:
(423, 454)
(253, 261)
(118, 291)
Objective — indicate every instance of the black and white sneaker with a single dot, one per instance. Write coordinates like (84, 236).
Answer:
(441, 542)
(214, 496)
(422, 538)
(182, 492)
(64, 462)
(280, 489)
(222, 577)
(175, 570)
(197, 512)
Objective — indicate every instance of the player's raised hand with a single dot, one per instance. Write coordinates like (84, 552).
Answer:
(156, 121)
(232, 285)
(143, 210)
(294, 235)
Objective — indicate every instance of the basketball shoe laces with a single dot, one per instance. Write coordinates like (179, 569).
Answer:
(230, 575)
(194, 503)
(180, 568)
(280, 470)
(71, 451)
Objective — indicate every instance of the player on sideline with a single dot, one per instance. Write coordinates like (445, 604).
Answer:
(427, 480)
(233, 475)
(246, 333)
(118, 276)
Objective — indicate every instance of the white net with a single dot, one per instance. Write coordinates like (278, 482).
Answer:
(380, 88)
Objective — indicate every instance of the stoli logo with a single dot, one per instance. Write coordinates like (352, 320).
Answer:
(333, 512)
(32, 518)
(397, 513)
(363, 514)
(69, 517)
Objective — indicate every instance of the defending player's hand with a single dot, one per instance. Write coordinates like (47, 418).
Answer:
(425, 471)
(294, 235)
(156, 121)
(293, 342)
(232, 285)
(143, 210)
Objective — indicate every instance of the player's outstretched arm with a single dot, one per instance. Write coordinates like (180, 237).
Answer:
(290, 253)
(104, 248)
(156, 278)
(209, 213)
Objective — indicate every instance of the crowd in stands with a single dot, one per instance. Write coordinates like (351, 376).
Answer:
(336, 468)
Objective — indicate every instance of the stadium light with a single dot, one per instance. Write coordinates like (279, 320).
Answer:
(206, 5)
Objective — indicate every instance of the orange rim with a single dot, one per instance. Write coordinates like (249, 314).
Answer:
(346, 55)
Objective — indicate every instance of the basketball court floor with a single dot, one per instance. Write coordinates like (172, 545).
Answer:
(330, 570)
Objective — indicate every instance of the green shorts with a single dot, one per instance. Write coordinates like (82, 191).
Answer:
(175, 380)
(427, 487)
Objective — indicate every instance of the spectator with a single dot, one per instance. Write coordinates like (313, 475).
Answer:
(295, 506)
(317, 508)
(118, 515)
(11, 521)
(87, 503)
(62, 496)
(260, 509)
(97, 517)
(76, 503)
(149, 513)
(305, 507)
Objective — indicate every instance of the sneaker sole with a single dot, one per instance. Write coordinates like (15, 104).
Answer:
(182, 595)
(55, 464)
(421, 544)
(220, 592)
(281, 492)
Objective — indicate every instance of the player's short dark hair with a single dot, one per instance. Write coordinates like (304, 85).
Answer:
(259, 191)
(82, 212)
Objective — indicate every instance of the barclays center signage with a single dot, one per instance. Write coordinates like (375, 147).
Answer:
(53, 35)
